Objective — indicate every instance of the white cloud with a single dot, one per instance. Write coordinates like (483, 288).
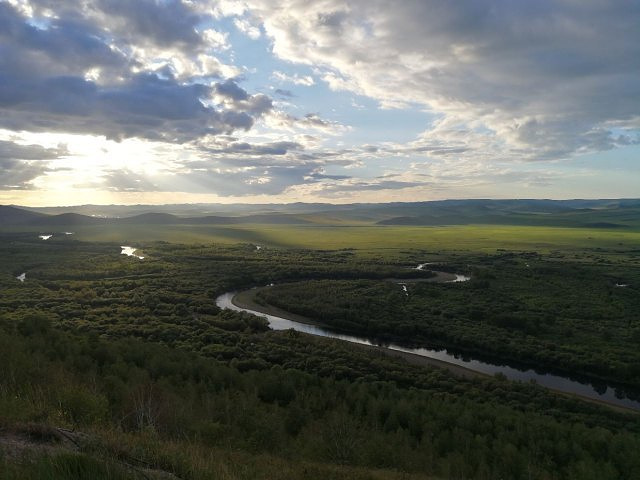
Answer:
(296, 79)
(247, 28)
(540, 80)
(216, 39)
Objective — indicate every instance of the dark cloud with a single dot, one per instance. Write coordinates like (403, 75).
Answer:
(284, 93)
(160, 23)
(147, 106)
(18, 175)
(64, 47)
(232, 91)
(323, 176)
(239, 99)
(163, 22)
(14, 151)
(67, 74)
(21, 164)
(244, 148)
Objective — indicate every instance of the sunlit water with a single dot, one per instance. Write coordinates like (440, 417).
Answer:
(459, 277)
(130, 251)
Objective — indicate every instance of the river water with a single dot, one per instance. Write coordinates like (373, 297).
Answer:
(130, 252)
(556, 382)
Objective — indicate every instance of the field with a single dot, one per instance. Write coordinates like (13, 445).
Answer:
(479, 238)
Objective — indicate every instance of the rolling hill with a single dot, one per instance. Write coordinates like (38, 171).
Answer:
(555, 213)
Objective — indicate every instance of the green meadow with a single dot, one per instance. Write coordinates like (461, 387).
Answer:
(480, 238)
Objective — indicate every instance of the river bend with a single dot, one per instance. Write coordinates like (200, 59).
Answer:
(555, 382)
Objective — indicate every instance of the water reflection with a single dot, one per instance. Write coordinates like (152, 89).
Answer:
(130, 251)
(595, 390)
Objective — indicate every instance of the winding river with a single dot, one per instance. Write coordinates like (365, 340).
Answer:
(605, 394)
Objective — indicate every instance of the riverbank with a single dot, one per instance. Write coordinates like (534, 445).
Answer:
(246, 300)
(438, 277)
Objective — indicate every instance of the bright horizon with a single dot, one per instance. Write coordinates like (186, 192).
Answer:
(178, 102)
(139, 204)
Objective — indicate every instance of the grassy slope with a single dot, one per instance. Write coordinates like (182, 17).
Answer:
(110, 458)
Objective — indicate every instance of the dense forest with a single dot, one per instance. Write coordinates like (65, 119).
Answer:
(567, 314)
(134, 358)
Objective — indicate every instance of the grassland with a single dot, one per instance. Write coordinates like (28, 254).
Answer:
(476, 238)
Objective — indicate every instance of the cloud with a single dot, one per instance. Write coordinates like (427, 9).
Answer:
(147, 107)
(222, 181)
(245, 27)
(16, 151)
(316, 176)
(272, 148)
(361, 185)
(504, 84)
(150, 22)
(305, 80)
(314, 120)
(88, 71)
(284, 93)
(162, 23)
(226, 166)
(21, 164)
(125, 181)
(537, 80)
(232, 91)
(310, 121)
(18, 175)
(65, 47)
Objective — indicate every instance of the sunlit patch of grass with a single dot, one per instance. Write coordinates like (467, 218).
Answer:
(481, 238)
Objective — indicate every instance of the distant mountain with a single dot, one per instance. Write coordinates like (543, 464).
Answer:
(607, 213)
(282, 219)
(168, 219)
(67, 219)
(12, 216)
(147, 219)
(17, 216)
(188, 210)
(566, 213)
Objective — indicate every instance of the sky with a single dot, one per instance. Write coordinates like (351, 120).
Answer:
(277, 101)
